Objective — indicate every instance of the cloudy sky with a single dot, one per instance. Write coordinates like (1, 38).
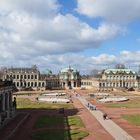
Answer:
(54, 34)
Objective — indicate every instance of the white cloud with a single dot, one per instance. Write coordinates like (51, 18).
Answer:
(35, 32)
(130, 57)
(26, 30)
(83, 63)
(40, 8)
(117, 11)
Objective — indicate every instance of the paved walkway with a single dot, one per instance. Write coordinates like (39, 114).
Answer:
(116, 132)
(92, 126)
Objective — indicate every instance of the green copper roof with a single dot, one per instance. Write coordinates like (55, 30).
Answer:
(47, 72)
(116, 71)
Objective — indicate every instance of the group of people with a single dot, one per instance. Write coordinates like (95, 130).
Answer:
(91, 107)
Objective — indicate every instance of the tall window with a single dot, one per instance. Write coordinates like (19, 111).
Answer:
(39, 84)
(17, 76)
(35, 76)
(17, 84)
(14, 76)
(28, 84)
(35, 84)
(32, 77)
(31, 84)
(28, 76)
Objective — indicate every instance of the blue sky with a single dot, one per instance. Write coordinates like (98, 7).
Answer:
(127, 41)
(124, 42)
(54, 34)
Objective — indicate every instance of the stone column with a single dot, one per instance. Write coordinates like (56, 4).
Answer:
(10, 100)
(7, 104)
(19, 83)
(76, 83)
(3, 98)
(0, 119)
(72, 84)
(129, 84)
(0, 105)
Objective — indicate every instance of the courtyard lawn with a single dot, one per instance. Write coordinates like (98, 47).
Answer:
(54, 127)
(133, 119)
(50, 134)
(59, 134)
(77, 134)
(135, 103)
(64, 132)
(75, 121)
(44, 121)
(27, 103)
(59, 120)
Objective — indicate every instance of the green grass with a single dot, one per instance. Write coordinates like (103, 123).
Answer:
(133, 119)
(64, 133)
(77, 134)
(45, 121)
(75, 120)
(59, 134)
(27, 103)
(135, 103)
(50, 134)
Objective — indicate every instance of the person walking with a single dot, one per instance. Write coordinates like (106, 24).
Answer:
(104, 116)
(94, 107)
(88, 104)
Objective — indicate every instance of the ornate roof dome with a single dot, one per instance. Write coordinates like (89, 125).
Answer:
(65, 70)
(47, 72)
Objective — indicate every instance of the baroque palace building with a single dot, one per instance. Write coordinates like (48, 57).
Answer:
(69, 78)
(89, 82)
(31, 78)
(119, 77)
(7, 109)
(25, 77)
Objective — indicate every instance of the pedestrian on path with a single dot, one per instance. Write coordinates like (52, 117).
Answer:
(104, 116)
(94, 107)
(88, 104)
(91, 107)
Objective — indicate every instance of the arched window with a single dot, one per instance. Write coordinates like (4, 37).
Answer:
(28, 76)
(35, 84)
(31, 84)
(28, 84)
(17, 84)
(32, 77)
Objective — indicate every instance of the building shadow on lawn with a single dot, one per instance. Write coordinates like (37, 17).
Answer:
(45, 124)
